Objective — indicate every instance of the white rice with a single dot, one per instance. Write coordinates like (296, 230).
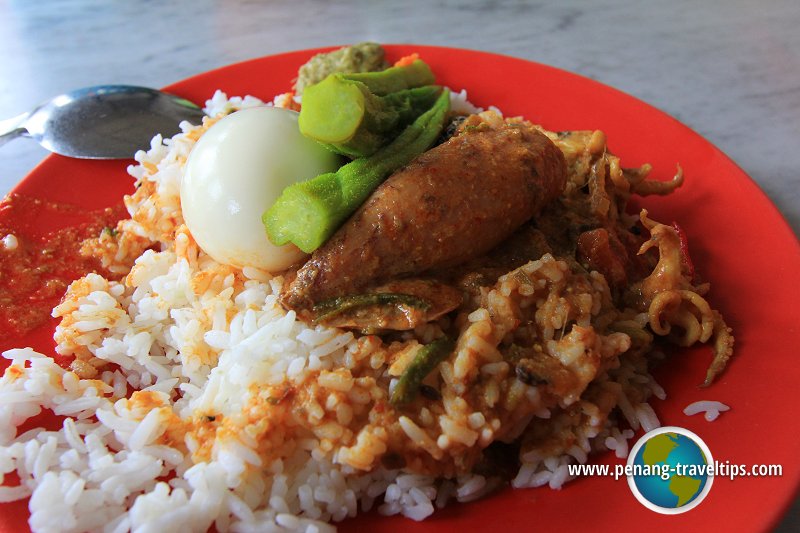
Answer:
(712, 409)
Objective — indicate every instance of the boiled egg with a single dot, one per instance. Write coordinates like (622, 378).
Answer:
(235, 172)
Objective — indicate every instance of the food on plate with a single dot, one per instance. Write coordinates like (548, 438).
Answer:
(242, 163)
(710, 408)
(307, 213)
(352, 120)
(361, 57)
(35, 270)
(407, 73)
(453, 203)
(489, 314)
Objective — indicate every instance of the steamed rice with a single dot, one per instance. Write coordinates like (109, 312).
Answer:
(172, 417)
(711, 409)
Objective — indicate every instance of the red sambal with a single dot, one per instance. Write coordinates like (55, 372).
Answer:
(36, 266)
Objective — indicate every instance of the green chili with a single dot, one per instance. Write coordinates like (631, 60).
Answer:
(336, 306)
(426, 359)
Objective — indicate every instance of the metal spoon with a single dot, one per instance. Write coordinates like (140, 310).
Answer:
(103, 122)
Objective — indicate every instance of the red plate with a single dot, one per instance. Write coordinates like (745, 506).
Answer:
(738, 241)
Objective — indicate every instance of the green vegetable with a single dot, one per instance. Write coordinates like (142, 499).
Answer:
(350, 120)
(427, 358)
(337, 306)
(309, 212)
(362, 57)
(415, 74)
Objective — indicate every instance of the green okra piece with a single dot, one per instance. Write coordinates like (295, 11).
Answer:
(336, 306)
(393, 79)
(414, 140)
(350, 120)
(401, 108)
(309, 212)
(427, 358)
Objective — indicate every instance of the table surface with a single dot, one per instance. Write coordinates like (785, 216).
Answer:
(728, 69)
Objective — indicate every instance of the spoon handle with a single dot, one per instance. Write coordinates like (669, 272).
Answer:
(12, 128)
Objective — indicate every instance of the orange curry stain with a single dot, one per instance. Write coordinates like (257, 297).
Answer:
(264, 418)
(13, 373)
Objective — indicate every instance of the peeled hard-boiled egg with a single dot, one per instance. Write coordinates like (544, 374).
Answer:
(235, 172)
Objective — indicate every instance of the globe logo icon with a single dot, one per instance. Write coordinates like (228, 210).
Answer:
(670, 470)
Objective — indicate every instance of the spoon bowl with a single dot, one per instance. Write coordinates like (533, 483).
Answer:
(102, 122)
